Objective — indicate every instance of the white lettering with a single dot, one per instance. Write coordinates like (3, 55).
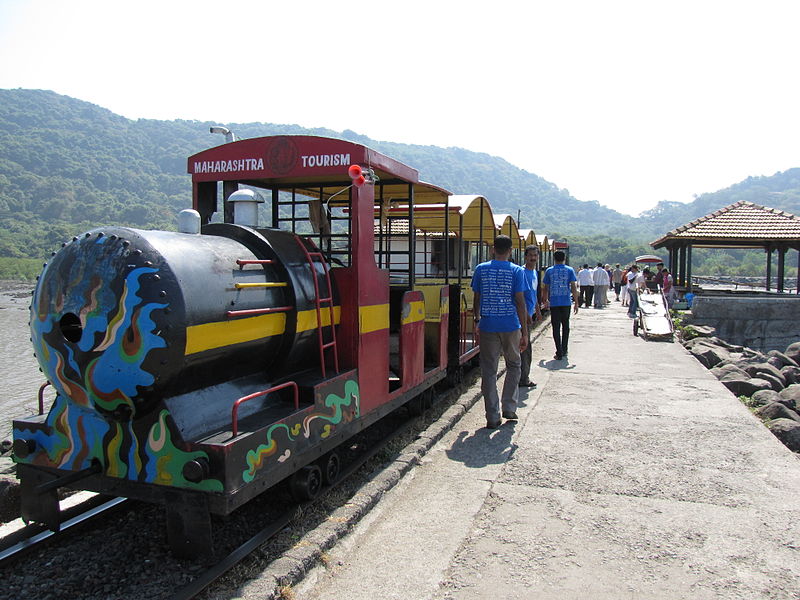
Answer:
(325, 160)
(229, 166)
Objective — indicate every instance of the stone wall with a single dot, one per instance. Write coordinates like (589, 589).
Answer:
(770, 323)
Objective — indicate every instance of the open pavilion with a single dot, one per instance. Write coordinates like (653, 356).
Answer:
(740, 225)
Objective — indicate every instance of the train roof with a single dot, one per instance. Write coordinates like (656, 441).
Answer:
(285, 159)
(529, 237)
(311, 165)
(506, 225)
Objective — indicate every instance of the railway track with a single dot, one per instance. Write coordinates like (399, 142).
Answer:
(31, 537)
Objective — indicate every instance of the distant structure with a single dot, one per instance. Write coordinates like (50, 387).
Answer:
(740, 225)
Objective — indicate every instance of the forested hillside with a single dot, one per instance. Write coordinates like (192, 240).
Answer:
(68, 165)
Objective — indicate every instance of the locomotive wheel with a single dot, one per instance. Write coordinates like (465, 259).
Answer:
(331, 465)
(306, 483)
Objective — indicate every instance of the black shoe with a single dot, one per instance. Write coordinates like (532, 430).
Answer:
(492, 424)
(557, 356)
(528, 384)
(512, 416)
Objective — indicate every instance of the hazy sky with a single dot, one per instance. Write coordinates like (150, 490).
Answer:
(627, 102)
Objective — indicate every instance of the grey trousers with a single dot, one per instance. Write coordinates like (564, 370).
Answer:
(493, 344)
(600, 295)
(527, 358)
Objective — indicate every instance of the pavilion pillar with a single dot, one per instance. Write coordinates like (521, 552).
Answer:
(781, 261)
(797, 283)
(689, 267)
(769, 267)
(682, 265)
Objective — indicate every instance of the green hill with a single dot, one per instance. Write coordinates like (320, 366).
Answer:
(67, 165)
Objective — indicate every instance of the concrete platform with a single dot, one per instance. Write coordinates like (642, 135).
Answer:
(633, 473)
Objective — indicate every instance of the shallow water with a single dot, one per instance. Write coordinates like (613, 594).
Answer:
(19, 371)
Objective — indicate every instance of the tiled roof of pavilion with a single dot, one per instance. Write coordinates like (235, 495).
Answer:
(739, 222)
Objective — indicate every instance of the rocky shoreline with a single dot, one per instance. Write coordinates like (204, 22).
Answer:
(768, 383)
(15, 294)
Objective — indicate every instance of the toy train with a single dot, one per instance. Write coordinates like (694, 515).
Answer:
(199, 368)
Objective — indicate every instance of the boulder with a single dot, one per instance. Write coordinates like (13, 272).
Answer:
(775, 383)
(792, 394)
(780, 356)
(755, 369)
(709, 355)
(754, 355)
(787, 431)
(727, 369)
(746, 387)
(762, 397)
(776, 410)
(694, 341)
(704, 330)
(793, 352)
(791, 374)
(727, 345)
(775, 362)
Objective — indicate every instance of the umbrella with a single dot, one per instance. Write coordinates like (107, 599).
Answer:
(648, 258)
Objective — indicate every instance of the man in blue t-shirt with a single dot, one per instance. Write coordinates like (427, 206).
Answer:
(559, 288)
(532, 306)
(500, 320)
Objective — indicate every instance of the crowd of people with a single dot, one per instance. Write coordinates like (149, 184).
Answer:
(506, 306)
(595, 283)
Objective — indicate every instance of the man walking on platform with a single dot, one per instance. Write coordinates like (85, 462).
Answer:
(616, 279)
(586, 284)
(534, 313)
(559, 290)
(600, 278)
(502, 324)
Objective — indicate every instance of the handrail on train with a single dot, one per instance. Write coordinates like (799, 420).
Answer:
(41, 396)
(242, 400)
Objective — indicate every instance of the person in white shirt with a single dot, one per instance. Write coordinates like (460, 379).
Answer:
(600, 278)
(616, 280)
(586, 284)
(635, 282)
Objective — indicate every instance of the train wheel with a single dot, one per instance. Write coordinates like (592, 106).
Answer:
(636, 327)
(330, 464)
(306, 483)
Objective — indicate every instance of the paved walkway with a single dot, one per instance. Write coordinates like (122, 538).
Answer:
(632, 473)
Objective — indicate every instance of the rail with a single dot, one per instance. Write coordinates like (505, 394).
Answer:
(242, 400)
(696, 279)
(41, 396)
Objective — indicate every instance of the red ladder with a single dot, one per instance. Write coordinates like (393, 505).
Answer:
(311, 257)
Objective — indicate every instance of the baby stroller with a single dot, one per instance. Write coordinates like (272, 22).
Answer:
(653, 318)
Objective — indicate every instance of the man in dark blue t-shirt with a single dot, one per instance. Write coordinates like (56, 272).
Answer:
(560, 289)
(501, 321)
